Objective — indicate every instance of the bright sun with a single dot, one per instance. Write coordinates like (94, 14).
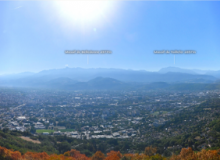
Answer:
(82, 10)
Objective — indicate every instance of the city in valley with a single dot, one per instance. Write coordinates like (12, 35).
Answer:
(137, 117)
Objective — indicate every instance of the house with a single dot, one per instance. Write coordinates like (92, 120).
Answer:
(14, 124)
(116, 134)
(39, 125)
(97, 132)
(22, 129)
(45, 133)
(74, 133)
(57, 133)
(21, 118)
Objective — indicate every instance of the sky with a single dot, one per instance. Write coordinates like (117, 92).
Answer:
(34, 35)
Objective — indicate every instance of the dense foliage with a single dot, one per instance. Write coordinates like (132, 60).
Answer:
(149, 154)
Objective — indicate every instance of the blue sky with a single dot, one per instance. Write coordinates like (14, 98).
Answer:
(34, 36)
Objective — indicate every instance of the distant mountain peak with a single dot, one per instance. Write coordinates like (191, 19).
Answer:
(176, 69)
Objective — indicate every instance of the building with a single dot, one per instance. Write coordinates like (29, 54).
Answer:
(45, 133)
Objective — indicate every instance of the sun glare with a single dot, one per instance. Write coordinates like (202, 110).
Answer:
(82, 10)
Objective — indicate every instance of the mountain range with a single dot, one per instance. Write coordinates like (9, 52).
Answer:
(101, 78)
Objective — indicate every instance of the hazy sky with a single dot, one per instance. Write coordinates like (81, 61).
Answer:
(34, 35)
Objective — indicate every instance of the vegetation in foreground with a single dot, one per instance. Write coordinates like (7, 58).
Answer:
(149, 154)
